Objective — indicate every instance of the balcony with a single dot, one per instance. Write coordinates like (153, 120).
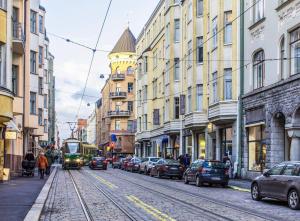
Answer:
(117, 95)
(18, 38)
(172, 127)
(118, 77)
(223, 112)
(119, 113)
(195, 120)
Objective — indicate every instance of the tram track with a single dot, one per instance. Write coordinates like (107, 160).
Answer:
(201, 196)
(189, 206)
(128, 214)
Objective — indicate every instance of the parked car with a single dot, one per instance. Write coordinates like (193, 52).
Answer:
(282, 182)
(167, 168)
(207, 171)
(147, 163)
(124, 163)
(98, 163)
(134, 164)
(117, 162)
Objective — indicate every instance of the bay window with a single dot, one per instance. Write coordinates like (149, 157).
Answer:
(228, 27)
(199, 99)
(228, 84)
(295, 51)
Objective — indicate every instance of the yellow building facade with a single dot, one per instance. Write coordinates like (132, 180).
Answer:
(199, 114)
(116, 109)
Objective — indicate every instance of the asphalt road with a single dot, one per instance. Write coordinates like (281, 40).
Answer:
(118, 195)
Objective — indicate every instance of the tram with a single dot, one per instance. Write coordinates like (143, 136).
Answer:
(88, 151)
(72, 154)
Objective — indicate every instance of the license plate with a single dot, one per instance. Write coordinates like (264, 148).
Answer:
(216, 178)
(173, 168)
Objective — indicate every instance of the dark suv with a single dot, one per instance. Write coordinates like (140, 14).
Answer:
(207, 171)
(282, 182)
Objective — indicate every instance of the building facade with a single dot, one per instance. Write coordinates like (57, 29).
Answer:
(51, 101)
(117, 111)
(23, 73)
(91, 128)
(271, 100)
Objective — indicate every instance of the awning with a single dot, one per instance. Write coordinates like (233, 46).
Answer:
(255, 124)
(11, 126)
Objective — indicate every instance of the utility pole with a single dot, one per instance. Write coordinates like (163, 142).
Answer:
(72, 126)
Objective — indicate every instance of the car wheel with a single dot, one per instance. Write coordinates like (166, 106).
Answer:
(224, 185)
(198, 181)
(158, 174)
(293, 200)
(180, 177)
(186, 180)
(255, 193)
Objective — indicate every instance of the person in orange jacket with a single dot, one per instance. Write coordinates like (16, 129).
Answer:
(42, 164)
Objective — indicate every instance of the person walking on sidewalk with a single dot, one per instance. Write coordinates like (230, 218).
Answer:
(42, 164)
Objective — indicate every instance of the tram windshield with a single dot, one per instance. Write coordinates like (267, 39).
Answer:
(72, 148)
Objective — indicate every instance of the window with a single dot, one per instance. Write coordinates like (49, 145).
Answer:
(290, 170)
(15, 74)
(258, 10)
(41, 24)
(190, 55)
(156, 117)
(215, 87)
(200, 49)
(295, 51)
(276, 170)
(32, 103)
(167, 74)
(190, 12)
(228, 84)
(228, 27)
(46, 51)
(167, 35)
(40, 86)
(214, 33)
(282, 53)
(130, 106)
(177, 30)
(176, 69)
(139, 97)
(32, 62)
(140, 123)
(189, 100)
(257, 148)
(40, 55)
(118, 107)
(167, 108)
(46, 77)
(145, 122)
(117, 125)
(40, 113)
(176, 108)
(155, 58)
(33, 21)
(130, 87)
(3, 65)
(176, 1)
(3, 4)
(145, 64)
(145, 97)
(130, 70)
(130, 126)
(199, 7)
(258, 69)
(45, 126)
(199, 101)
(45, 101)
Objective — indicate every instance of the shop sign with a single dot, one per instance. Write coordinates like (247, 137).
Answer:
(10, 135)
(255, 115)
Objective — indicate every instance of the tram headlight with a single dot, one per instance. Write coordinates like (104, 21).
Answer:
(78, 160)
(67, 160)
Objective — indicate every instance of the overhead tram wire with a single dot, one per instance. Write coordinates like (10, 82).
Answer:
(92, 59)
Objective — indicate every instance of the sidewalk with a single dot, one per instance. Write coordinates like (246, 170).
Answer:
(239, 184)
(18, 195)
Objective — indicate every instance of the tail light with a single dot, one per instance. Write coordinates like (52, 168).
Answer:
(105, 161)
(202, 170)
(94, 162)
(181, 168)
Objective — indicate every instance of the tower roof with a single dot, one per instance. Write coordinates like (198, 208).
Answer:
(126, 43)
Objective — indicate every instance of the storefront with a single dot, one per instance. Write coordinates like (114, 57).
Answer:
(200, 146)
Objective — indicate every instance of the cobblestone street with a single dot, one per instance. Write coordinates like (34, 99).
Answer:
(118, 195)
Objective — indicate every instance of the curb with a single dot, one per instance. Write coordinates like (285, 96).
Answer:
(36, 209)
(239, 189)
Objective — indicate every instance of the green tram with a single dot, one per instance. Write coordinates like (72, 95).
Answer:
(88, 151)
(72, 154)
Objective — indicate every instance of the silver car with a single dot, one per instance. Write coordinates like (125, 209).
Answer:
(282, 182)
(147, 163)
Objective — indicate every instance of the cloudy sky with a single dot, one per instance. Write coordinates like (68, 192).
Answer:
(81, 22)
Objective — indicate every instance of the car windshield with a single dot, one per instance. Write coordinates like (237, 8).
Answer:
(213, 165)
(99, 158)
(154, 159)
(72, 147)
(171, 162)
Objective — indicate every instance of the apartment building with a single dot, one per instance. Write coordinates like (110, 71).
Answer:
(91, 128)
(271, 100)
(117, 111)
(22, 75)
(51, 100)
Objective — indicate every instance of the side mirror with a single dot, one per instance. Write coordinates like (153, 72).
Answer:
(266, 174)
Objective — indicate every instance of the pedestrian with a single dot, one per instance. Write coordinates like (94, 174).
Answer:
(42, 164)
(180, 159)
(49, 156)
(228, 164)
(187, 160)
(29, 156)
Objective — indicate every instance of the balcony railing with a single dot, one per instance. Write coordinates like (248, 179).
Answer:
(118, 77)
(118, 94)
(119, 113)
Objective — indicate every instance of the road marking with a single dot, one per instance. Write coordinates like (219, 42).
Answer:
(239, 189)
(149, 209)
(103, 181)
